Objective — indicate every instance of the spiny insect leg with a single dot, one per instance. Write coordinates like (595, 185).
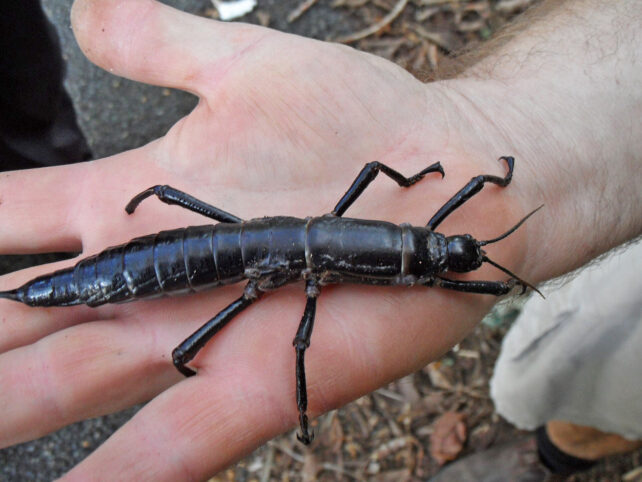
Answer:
(169, 195)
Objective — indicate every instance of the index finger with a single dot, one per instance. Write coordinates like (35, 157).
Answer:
(36, 209)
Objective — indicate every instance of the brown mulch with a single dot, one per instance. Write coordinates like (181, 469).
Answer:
(418, 34)
(406, 430)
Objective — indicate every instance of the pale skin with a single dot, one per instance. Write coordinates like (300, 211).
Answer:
(283, 126)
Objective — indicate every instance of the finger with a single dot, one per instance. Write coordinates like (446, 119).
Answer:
(36, 209)
(189, 432)
(80, 372)
(57, 208)
(97, 367)
(80, 206)
(150, 42)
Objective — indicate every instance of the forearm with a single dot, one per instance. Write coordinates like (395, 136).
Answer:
(563, 96)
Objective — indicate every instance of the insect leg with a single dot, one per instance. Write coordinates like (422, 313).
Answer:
(301, 343)
(497, 288)
(367, 175)
(469, 190)
(188, 349)
(169, 195)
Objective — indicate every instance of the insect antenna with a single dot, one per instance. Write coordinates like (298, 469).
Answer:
(510, 273)
(505, 270)
(511, 230)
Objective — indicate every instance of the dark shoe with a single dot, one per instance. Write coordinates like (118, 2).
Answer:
(514, 462)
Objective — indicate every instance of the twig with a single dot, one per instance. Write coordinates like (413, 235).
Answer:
(444, 39)
(360, 420)
(470, 392)
(326, 465)
(300, 10)
(511, 6)
(287, 451)
(336, 468)
(390, 394)
(385, 47)
(269, 462)
(431, 3)
(374, 28)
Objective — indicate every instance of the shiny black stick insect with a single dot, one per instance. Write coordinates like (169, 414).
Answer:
(271, 252)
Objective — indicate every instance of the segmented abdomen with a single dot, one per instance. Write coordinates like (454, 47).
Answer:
(170, 262)
(177, 262)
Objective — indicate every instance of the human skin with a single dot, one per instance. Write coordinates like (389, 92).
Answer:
(283, 126)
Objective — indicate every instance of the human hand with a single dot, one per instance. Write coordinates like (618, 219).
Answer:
(283, 126)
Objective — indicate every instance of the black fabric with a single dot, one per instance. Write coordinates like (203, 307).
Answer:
(37, 119)
(555, 460)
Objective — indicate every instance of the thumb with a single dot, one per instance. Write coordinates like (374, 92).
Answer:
(147, 41)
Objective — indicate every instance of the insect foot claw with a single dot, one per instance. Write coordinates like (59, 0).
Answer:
(305, 438)
(179, 363)
(525, 285)
(188, 372)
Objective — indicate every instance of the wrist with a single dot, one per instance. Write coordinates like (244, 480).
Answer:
(569, 87)
(585, 177)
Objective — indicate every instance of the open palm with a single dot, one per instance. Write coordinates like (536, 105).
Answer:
(282, 127)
